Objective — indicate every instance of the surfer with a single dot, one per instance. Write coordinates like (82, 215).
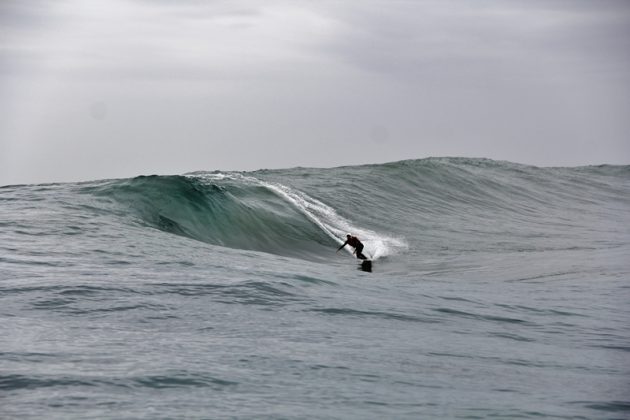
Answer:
(353, 241)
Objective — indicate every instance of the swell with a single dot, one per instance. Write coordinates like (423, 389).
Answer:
(451, 185)
(468, 205)
(436, 203)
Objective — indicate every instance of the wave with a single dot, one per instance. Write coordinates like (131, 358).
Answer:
(238, 211)
(435, 203)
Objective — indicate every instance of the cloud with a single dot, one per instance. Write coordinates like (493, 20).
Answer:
(188, 40)
(414, 39)
(184, 85)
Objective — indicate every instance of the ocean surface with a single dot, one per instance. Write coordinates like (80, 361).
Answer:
(497, 290)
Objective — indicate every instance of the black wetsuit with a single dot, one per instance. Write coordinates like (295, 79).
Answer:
(359, 252)
(353, 241)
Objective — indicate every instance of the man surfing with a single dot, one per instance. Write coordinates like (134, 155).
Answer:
(353, 241)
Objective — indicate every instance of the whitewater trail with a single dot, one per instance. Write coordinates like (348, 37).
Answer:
(325, 217)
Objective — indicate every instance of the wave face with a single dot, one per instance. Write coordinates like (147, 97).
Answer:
(220, 209)
(431, 205)
(237, 211)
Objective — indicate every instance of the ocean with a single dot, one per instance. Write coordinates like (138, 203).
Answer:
(497, 290)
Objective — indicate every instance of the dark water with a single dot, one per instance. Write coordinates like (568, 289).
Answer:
(498, 291)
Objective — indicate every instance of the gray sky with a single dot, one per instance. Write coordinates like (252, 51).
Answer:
(99, 89)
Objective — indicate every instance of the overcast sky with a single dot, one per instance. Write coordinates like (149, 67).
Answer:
(99, 89)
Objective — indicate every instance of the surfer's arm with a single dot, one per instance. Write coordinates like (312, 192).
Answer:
(344, 244)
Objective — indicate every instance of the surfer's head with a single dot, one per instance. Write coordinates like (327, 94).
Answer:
(348, 236)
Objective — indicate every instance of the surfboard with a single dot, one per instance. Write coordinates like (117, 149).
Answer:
(366, 265)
